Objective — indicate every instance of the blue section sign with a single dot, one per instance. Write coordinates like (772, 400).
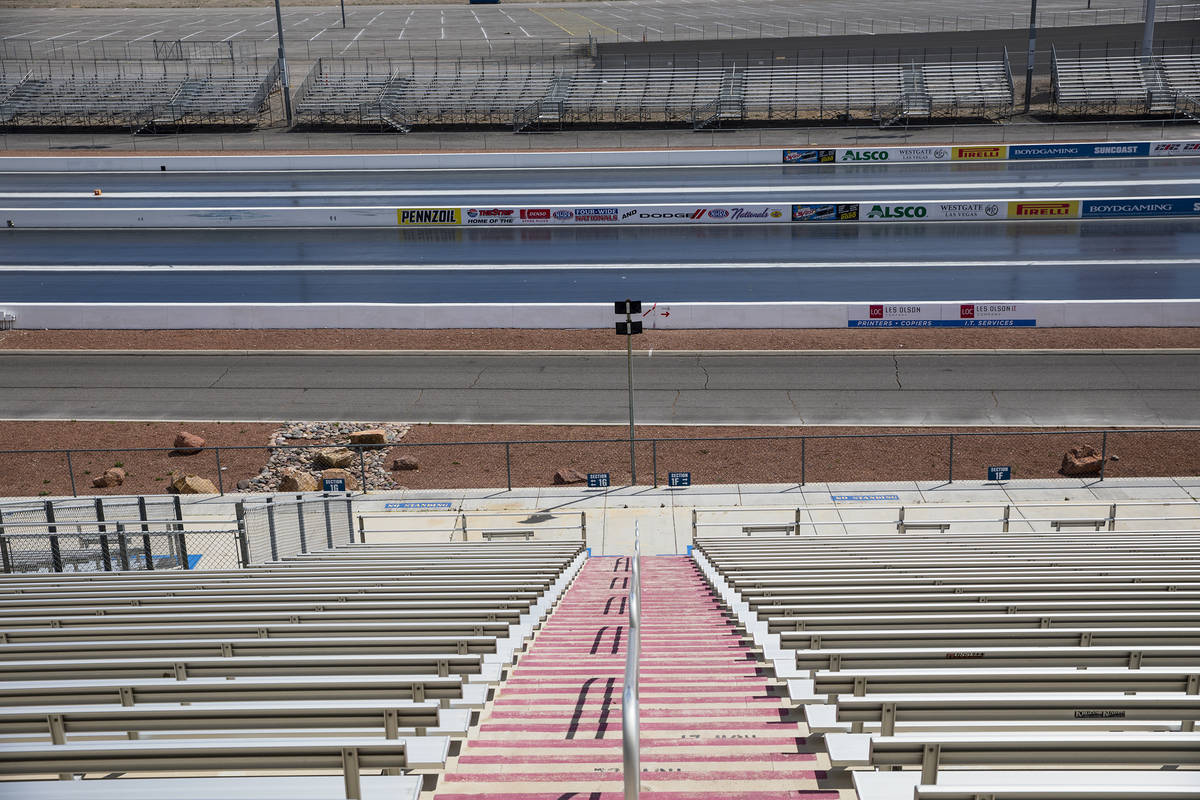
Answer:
(679, 479)
(421, 505)
(597, 480)
(996, 474)
(1165, 207)
(1082, 150)
(843, 498)
(333, 484)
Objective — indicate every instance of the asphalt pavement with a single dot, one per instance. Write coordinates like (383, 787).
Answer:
(1026, 389)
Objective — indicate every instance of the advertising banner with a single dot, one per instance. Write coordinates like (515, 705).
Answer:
(941, 315)
(915, 212)
(1165, 207)
(676, 215)
(1175, 148)
(428, 216)
(809, 156)
(489, 216)
(1089, 150)
(825, 212)
(990, 152)
(1043, 209)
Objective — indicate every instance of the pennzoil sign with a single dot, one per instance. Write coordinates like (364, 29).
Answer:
(1043, 209)
(428, 216)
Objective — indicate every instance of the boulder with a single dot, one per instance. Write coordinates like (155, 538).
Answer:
(349, 477)
(113, 476)
(192, 484)
(568, 475)
(295, 480)
(334, 458)
(188, 444)
(244, 484)
(375, 437)
(404, 463)
(1082, 460)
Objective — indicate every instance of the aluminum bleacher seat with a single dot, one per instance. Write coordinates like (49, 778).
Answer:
(1099, 85)
(309, 787)
(979, 652)
(337, 660)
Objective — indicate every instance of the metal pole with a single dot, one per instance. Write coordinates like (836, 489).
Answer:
(1029, 55)
(1148, 33)
(283, 72)
(629, 370)
(630, 734)
(343, 3)
(508, 464)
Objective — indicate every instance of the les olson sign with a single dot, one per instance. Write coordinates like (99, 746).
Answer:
(941, 315)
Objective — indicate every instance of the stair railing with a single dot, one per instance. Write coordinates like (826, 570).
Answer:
(630, 739)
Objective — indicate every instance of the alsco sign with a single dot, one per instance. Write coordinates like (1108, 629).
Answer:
(897, 212)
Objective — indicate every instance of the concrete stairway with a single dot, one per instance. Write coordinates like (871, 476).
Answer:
(709, 728)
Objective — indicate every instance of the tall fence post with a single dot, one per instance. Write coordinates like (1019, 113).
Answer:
(181, 543)
(271, 527)
(122, 547)
(71, 473)
(803, 442)
(5, 556)
(1103, 454)
(350, 516)
(654, 460)
(300, 522)
(220, 478)
(950, 478)
(508, 465)
(142, 512)
(362, 469)
(239, 511)
(328, 522)
(149, 551)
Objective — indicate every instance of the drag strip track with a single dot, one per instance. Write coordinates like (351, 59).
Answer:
(1138, 388)
(651, 185)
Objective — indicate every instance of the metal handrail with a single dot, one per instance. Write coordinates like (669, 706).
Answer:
(630, 737)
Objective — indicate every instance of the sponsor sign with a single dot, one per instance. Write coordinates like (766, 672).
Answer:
(1103, 713)
(679, 479)
(856, 154)
(1105, 150)
(1168, 207)
(420, 505)
(1043, 209)
(678, 215)
(596, 214)
(862, 498)
(824, 212)
(887, 211)
(1175, 149)
(851, 155)
(428, 216)
(535, 214)
(941, 315)
(994, 152)
(967, 211)
(563, 215)
(597, 480)
(490, 216)
(809, 156)
(998, 474)
(910, 212)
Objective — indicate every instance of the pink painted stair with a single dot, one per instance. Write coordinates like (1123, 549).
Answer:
(710, 730)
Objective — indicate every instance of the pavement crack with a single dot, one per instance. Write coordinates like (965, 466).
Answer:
(995, 399)
(220, 378)
(675, 401)
(896, 365)
(796, 408)
(477, 377)
(704, 370)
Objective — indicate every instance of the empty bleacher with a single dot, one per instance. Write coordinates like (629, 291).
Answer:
(343, 660)
(133, 94)
(1164, 84)
(983, 656)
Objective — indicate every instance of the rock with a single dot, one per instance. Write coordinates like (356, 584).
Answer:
(334, 458)
(294, 480)
(192, 484)
(113, 476)
(374, 437)
(245, 484)
(188, 444)
(1082, 460)
(404, 463)
(568, 475)
(349, 477)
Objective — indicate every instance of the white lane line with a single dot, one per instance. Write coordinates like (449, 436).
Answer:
(61, 35)
(806, 192)
(1102, 262)
(190, 35)
(104, 36)
(20, 35)
(318, 33)
(527, 33)
(230, 36)
(352, 41)
(147, 36)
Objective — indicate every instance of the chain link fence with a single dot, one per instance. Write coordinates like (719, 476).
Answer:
(277, 529)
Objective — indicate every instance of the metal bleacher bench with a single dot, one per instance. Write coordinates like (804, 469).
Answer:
(351, 755)
(508, 533)
(308, 787)
(784, 529)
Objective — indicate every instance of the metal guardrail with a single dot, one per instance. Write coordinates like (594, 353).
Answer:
(630, 719)
(839, 511)
(462, 523)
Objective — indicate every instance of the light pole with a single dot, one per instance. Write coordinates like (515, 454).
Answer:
(1148, 33)
(283, 72)
(1029, 55)
(629, 328)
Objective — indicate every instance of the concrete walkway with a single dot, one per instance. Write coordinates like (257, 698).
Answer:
(713, 726)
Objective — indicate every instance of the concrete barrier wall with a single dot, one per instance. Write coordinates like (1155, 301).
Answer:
(657, 315)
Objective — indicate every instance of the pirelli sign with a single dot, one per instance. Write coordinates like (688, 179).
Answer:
(1043, 209)
(995, 152)
(429, 216)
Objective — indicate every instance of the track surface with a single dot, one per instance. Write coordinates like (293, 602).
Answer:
(850, 389)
